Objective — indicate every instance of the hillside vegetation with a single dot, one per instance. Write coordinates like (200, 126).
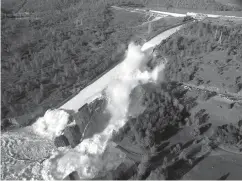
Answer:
(205, 53)
(180, 126)
(57, 49)
(163, 114)
(153, 132)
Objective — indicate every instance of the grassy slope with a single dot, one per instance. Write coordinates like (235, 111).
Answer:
(61, 47)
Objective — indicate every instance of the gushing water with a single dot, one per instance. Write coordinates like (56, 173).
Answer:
(51, 124)
(88, 157)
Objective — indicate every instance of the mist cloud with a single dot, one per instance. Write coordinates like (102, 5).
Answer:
(88, 157)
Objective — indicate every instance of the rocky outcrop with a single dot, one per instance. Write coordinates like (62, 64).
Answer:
(61, 141)
(72, 176)
(90, 119)
(82, 117)
(73, 134)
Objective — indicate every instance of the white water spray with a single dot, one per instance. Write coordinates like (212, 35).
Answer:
(51, 124)
(88, 157)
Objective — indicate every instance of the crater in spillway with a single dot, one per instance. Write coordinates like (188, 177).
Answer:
(88, 158)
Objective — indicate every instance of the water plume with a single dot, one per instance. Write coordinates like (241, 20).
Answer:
(89, 158)
(51, 124)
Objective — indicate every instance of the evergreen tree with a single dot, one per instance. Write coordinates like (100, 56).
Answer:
(54, 80)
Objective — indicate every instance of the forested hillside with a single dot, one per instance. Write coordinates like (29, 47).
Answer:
(205, 53)
(164, 131)
(179, 126)
(51, 49)
(163, 114)
(56, 50)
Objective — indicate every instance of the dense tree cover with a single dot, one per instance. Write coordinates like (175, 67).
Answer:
(229, 134)
(57, 51)
(203, 37)
(166, 114)
(163, 115)
(186, 49)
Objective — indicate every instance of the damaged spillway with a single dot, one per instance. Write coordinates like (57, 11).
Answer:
(88, 158)
(94, 155)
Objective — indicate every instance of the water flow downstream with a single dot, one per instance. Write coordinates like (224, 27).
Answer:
(88, 157)
(93, 155)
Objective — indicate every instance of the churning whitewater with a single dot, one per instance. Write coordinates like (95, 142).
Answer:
(88, 158)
